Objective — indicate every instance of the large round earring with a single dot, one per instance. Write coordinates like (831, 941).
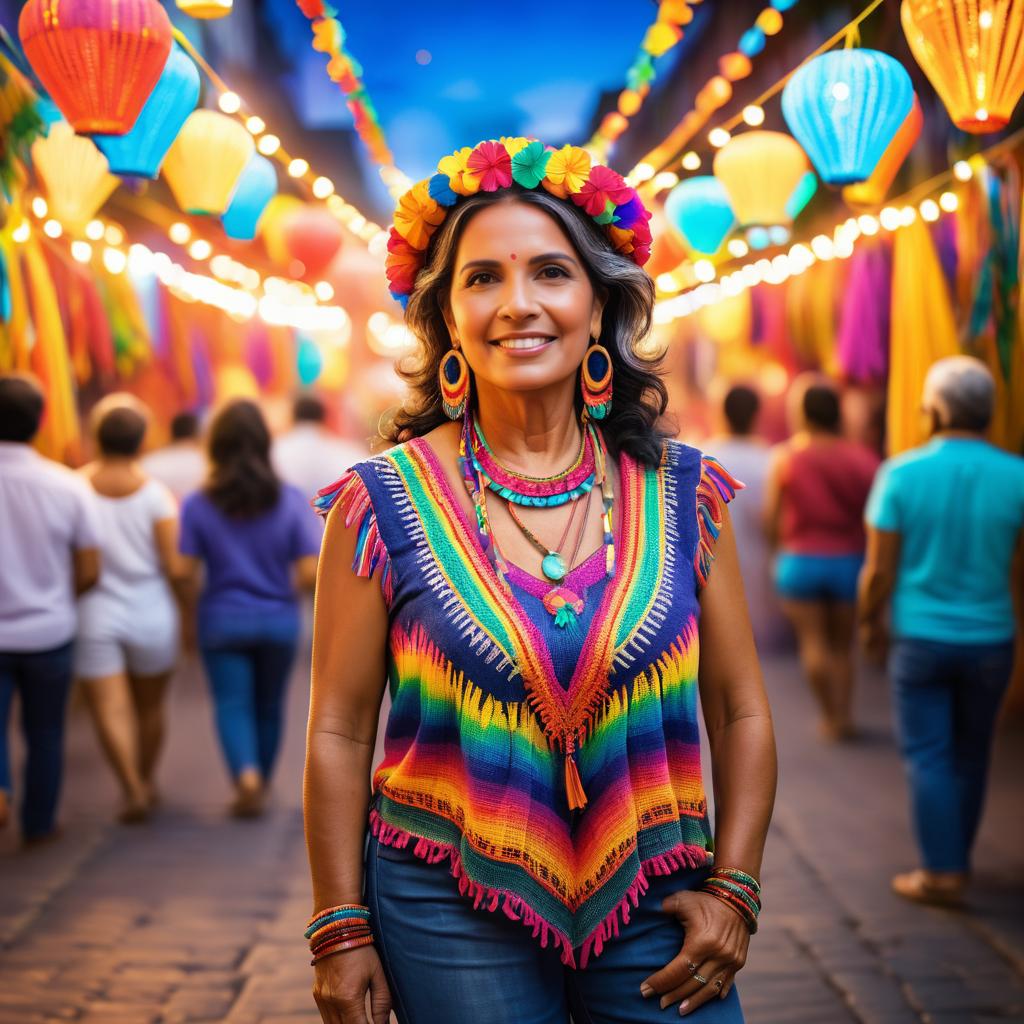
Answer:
(453, 376)
(596, 381)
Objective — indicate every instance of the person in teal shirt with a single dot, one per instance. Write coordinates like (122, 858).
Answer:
(945, 548)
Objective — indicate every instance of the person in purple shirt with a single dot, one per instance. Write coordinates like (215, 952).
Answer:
(258, 541)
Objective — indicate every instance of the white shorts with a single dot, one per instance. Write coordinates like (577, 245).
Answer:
(112, 640)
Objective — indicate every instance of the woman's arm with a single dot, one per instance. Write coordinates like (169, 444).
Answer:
(742, 741)
(350, 629)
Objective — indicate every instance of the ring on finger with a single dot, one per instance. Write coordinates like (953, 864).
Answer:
(718, 983)
(698, 977)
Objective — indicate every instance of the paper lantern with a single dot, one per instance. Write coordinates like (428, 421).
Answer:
(802, 194)
(872, 191)
(760, 171)
(74, 175)
(143, 149)
(845, 108)
(205, 9)
(278, 212)
(312, 236)
(256, 187)
(98, 59)
(668, 250)
(734, 66)
(206, 160)
(698, 208)
(974, 59)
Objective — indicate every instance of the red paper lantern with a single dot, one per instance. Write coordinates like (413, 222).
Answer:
(98, 59)
(312, 236)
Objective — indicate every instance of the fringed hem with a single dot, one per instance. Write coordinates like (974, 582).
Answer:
(351, 494)
(714, 491)
(681, 858)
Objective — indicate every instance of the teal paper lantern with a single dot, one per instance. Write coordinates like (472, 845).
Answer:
(175, 95)
(698, 208)
(256, 187)
(309, 361)
(802, 195)
(844, 108)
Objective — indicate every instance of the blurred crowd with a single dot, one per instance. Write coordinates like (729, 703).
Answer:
(209, 542)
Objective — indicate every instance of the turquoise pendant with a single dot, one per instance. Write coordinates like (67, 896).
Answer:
(553, 566)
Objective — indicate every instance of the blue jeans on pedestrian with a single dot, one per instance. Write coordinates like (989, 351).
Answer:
(42, 680)
(248, 659)
(445, 961)
(946, 700)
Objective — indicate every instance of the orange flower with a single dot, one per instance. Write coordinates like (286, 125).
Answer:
(567, 171)
(418, 216)
(463, 181)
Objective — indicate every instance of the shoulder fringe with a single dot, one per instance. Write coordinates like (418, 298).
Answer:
(683, 857)
(351, 494)
(714, 491)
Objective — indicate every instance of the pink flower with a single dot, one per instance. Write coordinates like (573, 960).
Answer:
(492, 164)
(601, 187)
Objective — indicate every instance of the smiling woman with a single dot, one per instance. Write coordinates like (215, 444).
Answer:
(544, 734)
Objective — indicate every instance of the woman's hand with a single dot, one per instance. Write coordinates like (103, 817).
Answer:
(715, 948)
(341, 984)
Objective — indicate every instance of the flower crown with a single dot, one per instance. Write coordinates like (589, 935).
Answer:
(566, 173)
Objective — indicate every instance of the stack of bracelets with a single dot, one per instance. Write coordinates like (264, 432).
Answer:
(737, 889)
(337, 929)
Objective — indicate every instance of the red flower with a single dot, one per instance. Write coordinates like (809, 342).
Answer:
(402, 265)
(603, 186)
(492, 164)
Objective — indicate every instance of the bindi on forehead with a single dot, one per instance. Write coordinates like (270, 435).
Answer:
(512, 256)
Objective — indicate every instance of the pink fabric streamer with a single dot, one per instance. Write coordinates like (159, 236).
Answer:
(863, 349)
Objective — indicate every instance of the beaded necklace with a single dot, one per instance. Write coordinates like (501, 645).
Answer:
(560, 601)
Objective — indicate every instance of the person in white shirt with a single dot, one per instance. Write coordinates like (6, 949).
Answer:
(310, 453)
(128, 634)
(49, 551)
(181, 465)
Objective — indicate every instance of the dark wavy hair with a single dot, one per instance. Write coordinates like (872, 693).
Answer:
(242, 482)
(639, 399)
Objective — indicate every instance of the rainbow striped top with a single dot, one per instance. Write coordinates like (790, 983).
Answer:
(485, 697)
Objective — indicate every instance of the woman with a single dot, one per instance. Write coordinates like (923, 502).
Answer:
(258, 544)
(950, 558)
(536, 616)
(127, 643)
(814, 507)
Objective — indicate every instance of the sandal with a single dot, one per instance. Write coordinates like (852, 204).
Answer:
(921, 887)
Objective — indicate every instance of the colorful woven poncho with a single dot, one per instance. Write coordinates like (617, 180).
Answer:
(483, 686)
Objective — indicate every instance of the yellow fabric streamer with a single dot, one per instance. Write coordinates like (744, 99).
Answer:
(14, 344)
(811, 316)
(59, 436)
(923, 331)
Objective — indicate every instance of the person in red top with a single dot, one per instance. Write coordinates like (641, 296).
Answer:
(817, 488)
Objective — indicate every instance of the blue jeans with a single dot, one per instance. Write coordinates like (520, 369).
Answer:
(947, 698)
(248, 659)
(43, 682)
(445, 961)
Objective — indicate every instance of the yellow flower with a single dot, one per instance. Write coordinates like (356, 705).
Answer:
(462, 180)
(567, 171)
(514, 143)
(418, 216)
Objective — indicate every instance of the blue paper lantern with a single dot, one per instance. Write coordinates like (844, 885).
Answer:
(174, 97)
(698, 208)
(783, 5)
(844, 108)
(309, 361)
(752, 42)
(256, 187)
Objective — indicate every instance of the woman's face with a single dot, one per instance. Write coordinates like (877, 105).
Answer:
(522, 308)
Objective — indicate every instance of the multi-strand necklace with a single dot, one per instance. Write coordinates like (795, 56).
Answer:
(481, 471)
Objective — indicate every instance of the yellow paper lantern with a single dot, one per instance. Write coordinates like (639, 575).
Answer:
(761, 170)
(206, 160)
(973, 54)
(272, 226)
(204, 9)
(74, 175)
(660, 38)
(872, 191)
(629, 102)
(769, 21)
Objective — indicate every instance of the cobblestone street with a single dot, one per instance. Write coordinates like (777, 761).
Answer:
(198, 917)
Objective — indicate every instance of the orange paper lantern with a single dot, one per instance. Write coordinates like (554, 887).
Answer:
(312, 236)
(761, 171)
(676, 11)
(629, 102)
(872, 191)
(206, 160)
(613, 125)
(974, 58)
(98, 59)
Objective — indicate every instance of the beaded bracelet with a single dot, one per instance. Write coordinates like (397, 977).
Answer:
(738, 891)
(337, 929)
